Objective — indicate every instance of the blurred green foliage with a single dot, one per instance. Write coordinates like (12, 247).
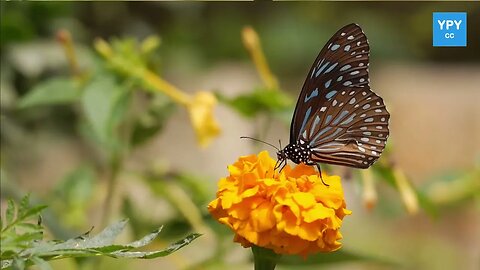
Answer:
(22, 241)
(111, 112)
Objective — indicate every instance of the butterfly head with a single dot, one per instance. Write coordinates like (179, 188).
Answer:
(282, 155)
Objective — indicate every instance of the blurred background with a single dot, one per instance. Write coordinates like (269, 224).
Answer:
(85, 132)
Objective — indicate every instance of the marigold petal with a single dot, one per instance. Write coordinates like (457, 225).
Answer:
(262, 217)
(250, 192)
(304, 199)
(317, 212)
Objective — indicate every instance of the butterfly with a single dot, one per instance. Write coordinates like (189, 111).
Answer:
(338, 119)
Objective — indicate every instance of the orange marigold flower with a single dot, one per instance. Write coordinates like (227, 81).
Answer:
(291, 212)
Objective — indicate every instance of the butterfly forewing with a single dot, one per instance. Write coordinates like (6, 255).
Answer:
(343, 61)
(337, 114)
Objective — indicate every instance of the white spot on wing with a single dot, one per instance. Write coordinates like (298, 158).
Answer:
(345, 67)
(370, 119)
(335, 47)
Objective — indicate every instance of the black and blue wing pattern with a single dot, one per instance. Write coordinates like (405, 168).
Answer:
(337, 114)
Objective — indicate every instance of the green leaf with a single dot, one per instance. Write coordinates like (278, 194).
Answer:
(18, 264)
(155, 254)
(146, 239)
(107, 236)
(28, 237)
(152, 121)
(51, 92)
(42, 264)
(102, 240)
(32, 211)
(27, 248)
(10, 213)
(24, 204)
(73, 196)
(258, 101)
(103, 103)
(76, 187)
(28, 227)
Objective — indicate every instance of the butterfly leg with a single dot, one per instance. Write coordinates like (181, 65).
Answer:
(320, 172)
(283, 166)
(280, 164)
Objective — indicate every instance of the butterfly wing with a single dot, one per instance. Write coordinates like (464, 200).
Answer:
(347, 47)
(352, 131)
(343, 121)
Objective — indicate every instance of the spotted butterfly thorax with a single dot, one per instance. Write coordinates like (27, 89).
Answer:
(338, 119)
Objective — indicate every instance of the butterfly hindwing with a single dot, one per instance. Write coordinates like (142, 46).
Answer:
(351, 131)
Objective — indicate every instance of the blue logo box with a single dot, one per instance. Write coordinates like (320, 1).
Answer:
(449, 29)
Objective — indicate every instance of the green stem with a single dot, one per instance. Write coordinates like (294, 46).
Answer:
(264, 259)
(111, 186)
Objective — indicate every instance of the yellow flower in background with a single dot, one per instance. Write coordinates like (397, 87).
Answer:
(200, 109)
(291, 212)
(251, 41)
(199, 106)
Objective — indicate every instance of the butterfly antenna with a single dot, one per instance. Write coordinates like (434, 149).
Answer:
(246, 137)
(280, 143)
